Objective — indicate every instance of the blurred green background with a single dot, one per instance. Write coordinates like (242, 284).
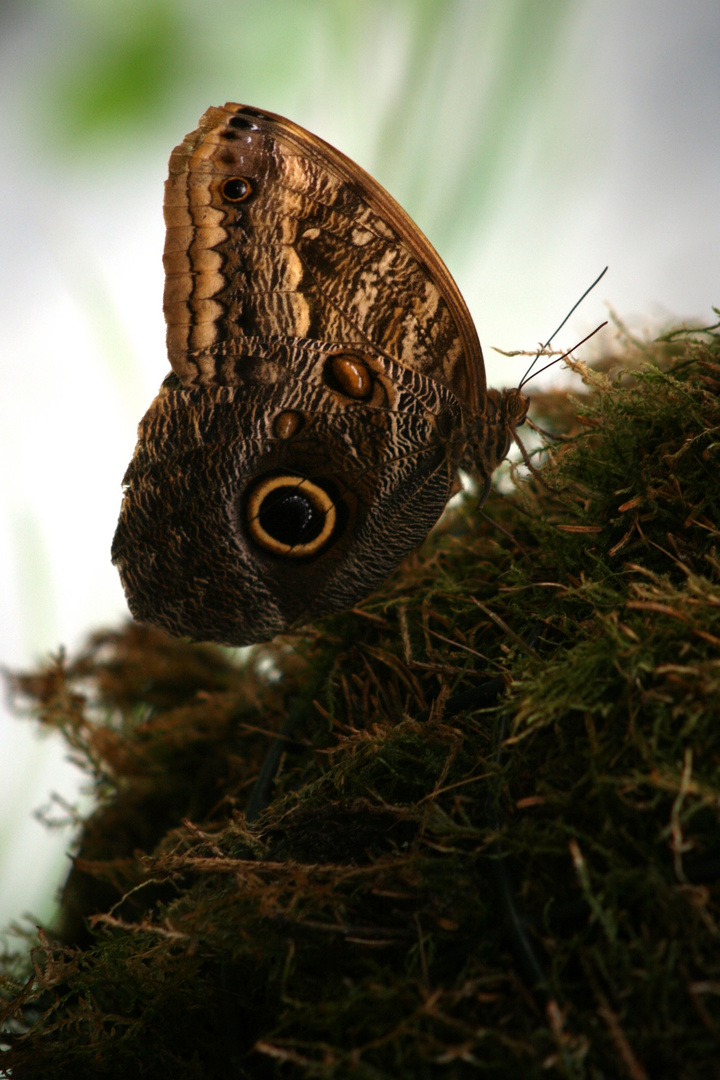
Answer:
(534, 141)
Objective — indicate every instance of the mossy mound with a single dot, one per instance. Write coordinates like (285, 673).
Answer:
(448, 880)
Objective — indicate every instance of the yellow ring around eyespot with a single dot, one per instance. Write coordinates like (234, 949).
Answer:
(321, 501)
(234, 180)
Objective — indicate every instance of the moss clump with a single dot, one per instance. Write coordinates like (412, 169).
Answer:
(447, 881)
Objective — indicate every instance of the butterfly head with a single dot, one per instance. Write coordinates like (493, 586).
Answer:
(494, 429)
(514, 407)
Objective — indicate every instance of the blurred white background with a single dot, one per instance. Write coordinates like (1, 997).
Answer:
(534, 141)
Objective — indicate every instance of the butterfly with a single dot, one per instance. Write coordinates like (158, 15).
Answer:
(327, 383)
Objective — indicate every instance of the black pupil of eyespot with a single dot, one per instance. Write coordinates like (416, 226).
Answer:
(234, 189)
(290, 516)
(241, 123)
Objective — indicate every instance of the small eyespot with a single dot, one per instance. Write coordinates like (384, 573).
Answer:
(287, 423)
(255, 113)
(236, 189)
(444, 421)
(347, 372)
(242, 123)
(290, 516)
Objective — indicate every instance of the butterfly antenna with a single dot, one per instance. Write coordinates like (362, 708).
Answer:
(559, 328)
(557, 359)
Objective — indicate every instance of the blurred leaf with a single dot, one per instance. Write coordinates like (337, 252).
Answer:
(122, 68)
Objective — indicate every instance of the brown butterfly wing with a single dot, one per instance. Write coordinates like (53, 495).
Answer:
(313, 248)
(322, 356)
(183, 547)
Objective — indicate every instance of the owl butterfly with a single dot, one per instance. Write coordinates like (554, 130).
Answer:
(327, 382)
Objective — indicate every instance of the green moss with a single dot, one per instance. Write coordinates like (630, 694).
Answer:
(447, 882)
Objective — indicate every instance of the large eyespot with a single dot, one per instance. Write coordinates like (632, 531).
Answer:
(290, 515)
(236, 189)
(349, 373)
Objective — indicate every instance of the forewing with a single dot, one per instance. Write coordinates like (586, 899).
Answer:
(312, 248)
